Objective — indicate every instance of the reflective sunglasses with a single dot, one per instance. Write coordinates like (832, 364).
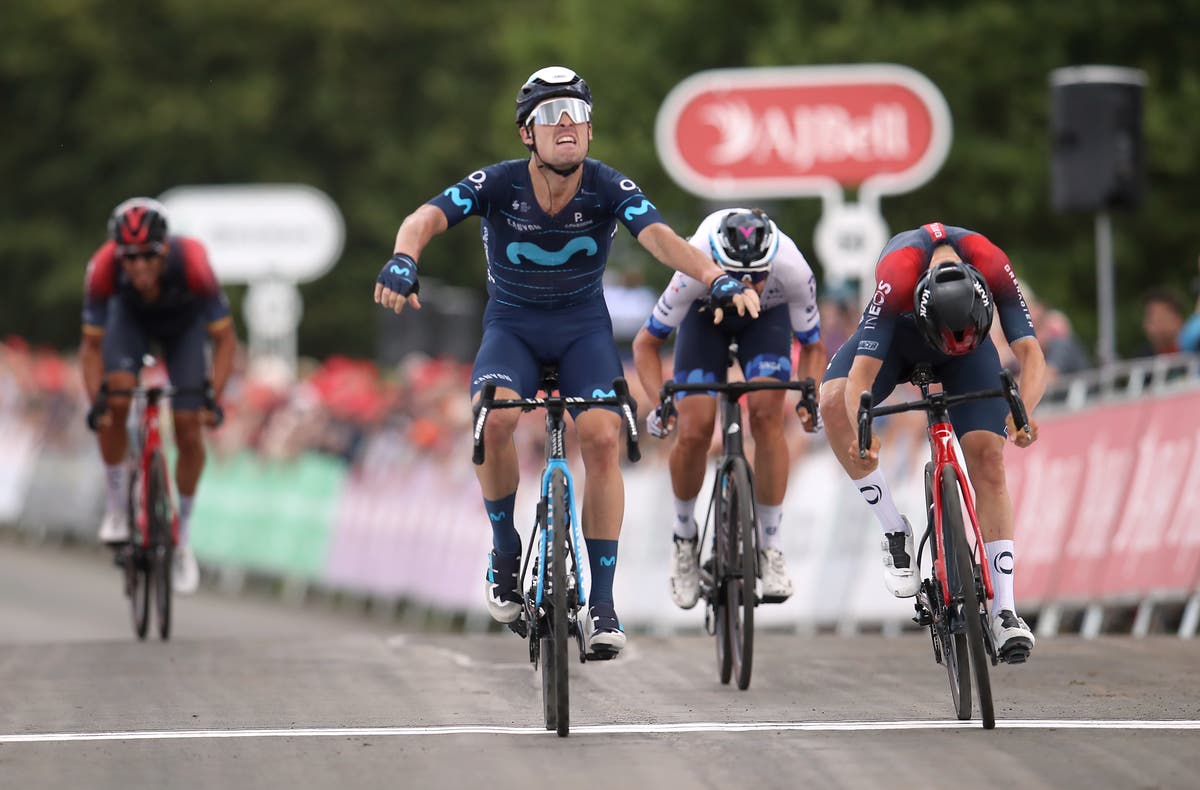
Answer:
(548, 112)
(132, 254)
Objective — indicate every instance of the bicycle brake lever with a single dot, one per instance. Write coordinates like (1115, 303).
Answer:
(481, 409)
(865, 402)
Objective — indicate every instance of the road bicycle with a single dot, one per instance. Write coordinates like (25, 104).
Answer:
(728, 580)
(953, 602)
(550, 609)
(153, 522)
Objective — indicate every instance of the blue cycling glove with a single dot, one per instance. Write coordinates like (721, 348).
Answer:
(400, 275)
(723, 289)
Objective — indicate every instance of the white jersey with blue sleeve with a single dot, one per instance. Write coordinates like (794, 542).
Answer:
(791, 282)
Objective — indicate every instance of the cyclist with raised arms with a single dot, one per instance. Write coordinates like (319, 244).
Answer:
(145, 285)
(747, 244)
(547, 223)
(933, 303)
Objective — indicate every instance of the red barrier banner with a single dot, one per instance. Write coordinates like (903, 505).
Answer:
(1107, 503)
(1156, 546)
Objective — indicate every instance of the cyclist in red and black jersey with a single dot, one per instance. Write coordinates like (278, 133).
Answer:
(937, 287)
(142, 286)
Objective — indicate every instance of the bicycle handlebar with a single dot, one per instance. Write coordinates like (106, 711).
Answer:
(620, 398)
(100, 406)
(735, 389)
(1008, 390)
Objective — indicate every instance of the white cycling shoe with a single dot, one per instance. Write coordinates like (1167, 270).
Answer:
(899, 563)
(500, 587)
(685, 573)
(776, 583)
(114, 528)
(185, 573)
(603, 635)
(1012, 637)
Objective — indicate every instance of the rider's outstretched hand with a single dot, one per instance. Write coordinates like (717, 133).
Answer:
(1020, 438)
(725, 292)
(397, 283)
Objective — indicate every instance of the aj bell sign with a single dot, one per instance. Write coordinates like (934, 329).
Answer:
(803, 130)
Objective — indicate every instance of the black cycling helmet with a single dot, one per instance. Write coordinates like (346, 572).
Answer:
(138, 224)
(744, 241)
(953, 307)
(549, 83)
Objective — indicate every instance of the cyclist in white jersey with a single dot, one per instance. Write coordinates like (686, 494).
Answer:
(749, 246)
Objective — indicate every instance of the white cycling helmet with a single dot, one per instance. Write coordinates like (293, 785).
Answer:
(745, 241)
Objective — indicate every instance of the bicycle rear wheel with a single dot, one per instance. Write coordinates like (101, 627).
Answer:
(967, 572)
(555, 686)
(954, 638)
(137, 571)
(743, 556)
(161, 542)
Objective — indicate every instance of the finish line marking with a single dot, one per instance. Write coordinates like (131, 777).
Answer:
(605, 729)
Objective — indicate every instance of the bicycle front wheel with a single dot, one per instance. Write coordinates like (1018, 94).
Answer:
(967, 574)
(137, 570)
(955, 650)
(555, 686)
(161, 542)
(742, 553)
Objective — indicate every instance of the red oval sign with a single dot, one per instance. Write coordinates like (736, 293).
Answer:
(785, 132)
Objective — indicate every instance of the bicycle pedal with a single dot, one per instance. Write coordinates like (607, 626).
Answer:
(1016, 653)
(601, 653)
(773, 598)
(520, 627)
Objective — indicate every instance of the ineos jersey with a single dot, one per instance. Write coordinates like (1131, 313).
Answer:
(905, 259)
(790, 282)
(538, 260)
(188, 290)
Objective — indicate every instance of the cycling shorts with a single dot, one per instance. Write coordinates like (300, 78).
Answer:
(764, 345)
(979, 370)
(127, 341)
(517, 341)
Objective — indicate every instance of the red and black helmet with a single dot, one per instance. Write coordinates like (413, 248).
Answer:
(139, 225)
(953, 307)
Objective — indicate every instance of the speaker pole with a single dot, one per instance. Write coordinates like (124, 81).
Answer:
(1106, 343)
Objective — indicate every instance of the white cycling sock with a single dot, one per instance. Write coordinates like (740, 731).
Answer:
(116, 478)
(878, 496)
(1001, 561)
(769, 519)
(685, 522)
(185, 517)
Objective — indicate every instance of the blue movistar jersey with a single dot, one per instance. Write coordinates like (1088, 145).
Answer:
(535, 259)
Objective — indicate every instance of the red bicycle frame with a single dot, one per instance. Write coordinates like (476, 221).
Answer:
(151, 447)
(941, 442)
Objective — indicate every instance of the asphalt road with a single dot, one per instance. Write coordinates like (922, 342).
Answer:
(253, 693)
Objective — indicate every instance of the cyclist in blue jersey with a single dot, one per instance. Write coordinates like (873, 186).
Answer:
(547, 223)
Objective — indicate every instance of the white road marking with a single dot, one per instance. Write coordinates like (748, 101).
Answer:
(603, 729)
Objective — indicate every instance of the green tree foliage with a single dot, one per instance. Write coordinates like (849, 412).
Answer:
(382, 105)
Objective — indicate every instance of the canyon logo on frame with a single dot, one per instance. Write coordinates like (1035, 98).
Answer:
(803, 130)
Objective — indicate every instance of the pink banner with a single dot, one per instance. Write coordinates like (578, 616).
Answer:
(1107, 503)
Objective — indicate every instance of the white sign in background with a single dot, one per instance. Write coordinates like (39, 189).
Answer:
(254, 232)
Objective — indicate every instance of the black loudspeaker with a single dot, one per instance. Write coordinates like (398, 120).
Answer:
(1096, 138)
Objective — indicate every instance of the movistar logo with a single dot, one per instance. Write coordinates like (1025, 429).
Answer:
(497, 516)
(638, 210)
(397, 270)
(599, 393)
(608, 562)
(457, 199)
(542, 257)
